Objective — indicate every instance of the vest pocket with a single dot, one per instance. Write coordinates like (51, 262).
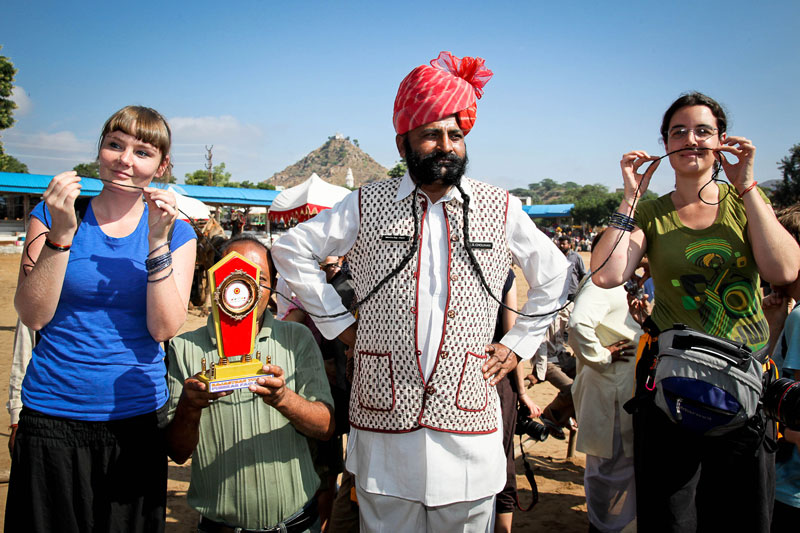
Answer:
(473, 390)
(376, 381)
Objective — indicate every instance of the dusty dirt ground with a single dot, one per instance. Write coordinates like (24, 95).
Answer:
(561, 506)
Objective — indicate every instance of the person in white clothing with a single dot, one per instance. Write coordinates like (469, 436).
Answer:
(603, 336)
(424, 250)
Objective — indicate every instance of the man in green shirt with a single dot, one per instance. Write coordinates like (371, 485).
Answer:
(251, 466)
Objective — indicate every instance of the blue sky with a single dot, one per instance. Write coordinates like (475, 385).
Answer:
(576, 85)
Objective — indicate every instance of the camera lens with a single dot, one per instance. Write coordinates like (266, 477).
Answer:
(782, 402)
(526, 426)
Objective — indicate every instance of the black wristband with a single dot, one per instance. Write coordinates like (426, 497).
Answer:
(55, 246)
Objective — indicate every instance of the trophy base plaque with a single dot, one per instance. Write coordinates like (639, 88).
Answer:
(227, 376)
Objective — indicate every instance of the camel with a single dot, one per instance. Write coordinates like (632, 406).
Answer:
(209, 243)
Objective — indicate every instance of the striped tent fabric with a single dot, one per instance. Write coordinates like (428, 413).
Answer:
(449, 86)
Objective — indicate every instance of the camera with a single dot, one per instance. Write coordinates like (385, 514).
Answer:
(634, 289)
(526, 426)
(781, 402)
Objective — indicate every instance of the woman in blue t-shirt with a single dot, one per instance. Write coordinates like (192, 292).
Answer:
(103, 289)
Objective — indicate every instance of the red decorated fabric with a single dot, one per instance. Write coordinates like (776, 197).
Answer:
(450, 86)
(300, 214)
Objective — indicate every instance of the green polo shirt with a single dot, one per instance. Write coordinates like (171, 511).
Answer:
(251, 467)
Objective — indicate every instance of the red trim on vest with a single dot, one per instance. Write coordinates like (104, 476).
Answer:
(360, 214)
(433, 428)
(461, 380)
(505, 217)
(361, 357)
(444, 315)
(393, 431)
(417, 351)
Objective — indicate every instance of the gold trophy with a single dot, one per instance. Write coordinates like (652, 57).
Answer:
(235, 296)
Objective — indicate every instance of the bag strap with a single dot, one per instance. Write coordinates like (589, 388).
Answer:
(531, 481)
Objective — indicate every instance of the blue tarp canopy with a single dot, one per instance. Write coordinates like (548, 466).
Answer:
(11, 182)
(548, 211)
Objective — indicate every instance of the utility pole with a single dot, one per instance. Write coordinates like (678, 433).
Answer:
(210, 165)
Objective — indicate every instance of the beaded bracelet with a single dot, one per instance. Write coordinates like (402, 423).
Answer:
(165, 276)
(55, 246)
(157, 264)
(748, 189)
(621, 221)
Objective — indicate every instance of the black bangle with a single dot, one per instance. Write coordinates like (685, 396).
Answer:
(55, 246)
(157, 247)
(621, 221)
(157, 264)
(165, 276)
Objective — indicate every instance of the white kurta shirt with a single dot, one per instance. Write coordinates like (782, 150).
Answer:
(432, 467)
(601, 387)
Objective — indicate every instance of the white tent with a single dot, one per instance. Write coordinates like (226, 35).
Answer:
(303, 201)
(190, 207)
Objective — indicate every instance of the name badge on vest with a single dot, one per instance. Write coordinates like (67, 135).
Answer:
(396, 238)
(480, 245)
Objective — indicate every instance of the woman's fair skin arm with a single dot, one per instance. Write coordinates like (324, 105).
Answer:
(41, 276)
(508, 319)
(168, 299)
(623, 258)
(776, 252)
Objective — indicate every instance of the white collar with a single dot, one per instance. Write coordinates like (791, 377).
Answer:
(407, 187)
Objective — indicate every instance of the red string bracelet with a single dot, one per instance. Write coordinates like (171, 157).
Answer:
(55, 246)
(748, 189)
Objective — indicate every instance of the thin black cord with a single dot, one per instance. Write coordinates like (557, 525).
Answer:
(403, 262)
(479, 272)
(415, 244)
(639, 186)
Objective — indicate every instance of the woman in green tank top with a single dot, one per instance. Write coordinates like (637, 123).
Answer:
(708, 244)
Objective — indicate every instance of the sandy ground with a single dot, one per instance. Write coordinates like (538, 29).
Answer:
(561, 506)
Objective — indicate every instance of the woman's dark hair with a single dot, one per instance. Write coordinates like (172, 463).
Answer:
(790, 219)
(690, 99)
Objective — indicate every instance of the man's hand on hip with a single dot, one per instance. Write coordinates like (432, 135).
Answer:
(501, 361)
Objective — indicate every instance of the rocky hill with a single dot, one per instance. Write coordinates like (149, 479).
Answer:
(331, 161)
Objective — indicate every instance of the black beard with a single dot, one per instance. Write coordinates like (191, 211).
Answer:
(435, 167)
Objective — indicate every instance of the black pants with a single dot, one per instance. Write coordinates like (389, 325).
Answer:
(686, 482)
(75, 476)
(506, 499)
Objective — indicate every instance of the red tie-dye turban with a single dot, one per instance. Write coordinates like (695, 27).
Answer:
(449, 86)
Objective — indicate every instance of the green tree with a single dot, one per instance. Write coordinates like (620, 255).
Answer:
(7, 105)
(788, 191)
(594, 209)
(88, 170)
(398, 170)
(10, 163)
(260, 185)
(219, 177)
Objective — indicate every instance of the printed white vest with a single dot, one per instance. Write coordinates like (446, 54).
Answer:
(389, 391)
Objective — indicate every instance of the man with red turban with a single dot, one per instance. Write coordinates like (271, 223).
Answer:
(427, 252)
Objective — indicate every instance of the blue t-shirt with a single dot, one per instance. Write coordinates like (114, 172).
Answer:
(96, 360)
(649, 289)
(787, 474)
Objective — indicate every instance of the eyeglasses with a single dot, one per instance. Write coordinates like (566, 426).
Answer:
(701, 133)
